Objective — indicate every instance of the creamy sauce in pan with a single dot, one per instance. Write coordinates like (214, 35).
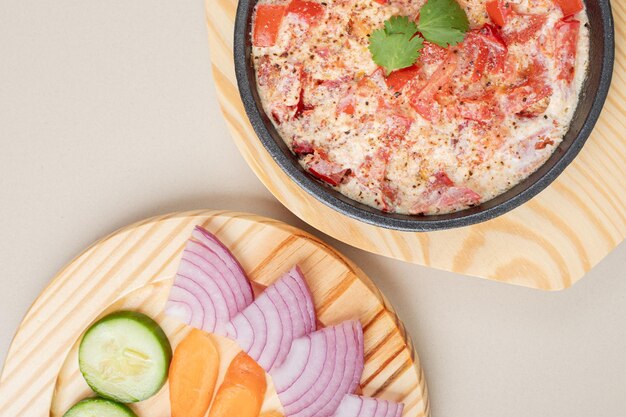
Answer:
(411, 147)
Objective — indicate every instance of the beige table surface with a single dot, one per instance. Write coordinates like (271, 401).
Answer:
(108, 115)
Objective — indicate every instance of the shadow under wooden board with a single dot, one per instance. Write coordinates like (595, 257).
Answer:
(134, 269)
(548, 243)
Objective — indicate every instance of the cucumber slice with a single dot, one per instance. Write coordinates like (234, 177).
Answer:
(99, 407)
(125, 357)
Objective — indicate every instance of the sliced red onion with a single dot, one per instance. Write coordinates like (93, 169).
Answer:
(356, 406)
(266, 328)
(319, 370)
(210, 286)
(244, 296)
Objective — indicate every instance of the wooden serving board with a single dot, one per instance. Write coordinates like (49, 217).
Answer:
(134, 269)
(548, 243)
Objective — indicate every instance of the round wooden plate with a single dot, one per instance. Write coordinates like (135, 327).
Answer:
(548, 243)
(134, 269)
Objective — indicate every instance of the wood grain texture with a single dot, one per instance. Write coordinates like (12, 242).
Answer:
(548, 243)
(134, 269)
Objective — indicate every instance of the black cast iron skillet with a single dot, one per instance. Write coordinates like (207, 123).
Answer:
(593, 95)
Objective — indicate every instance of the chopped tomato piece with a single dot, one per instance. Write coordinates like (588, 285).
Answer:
(498, 11)
(455, 196)
(266, 24)
(389, 195)
(442, 194)
(531, 95)
(372, 175)
(382, 103)
(442, 180)
(481, 55)
(484, 52)
(532, 24)
(570, 7)
(301, 107)
(322, 168)
(382, 1)
(310, 11)
(480, 110)
(302, 147)
(281, 113)
(493, 34)
(422, 95)
(264, 71)
(398, 79)
(432, 53)
(527, 95)
(426, 107)
(398, 126)
(566, 42)
(374, 167)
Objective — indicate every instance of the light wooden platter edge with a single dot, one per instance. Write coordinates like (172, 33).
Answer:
(548, 243)
(133, 268)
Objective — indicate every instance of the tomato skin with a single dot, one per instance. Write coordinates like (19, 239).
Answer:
(527, 95)
(483, 52)
(534, 23)
(324, 169)
(310, 11)
(479, 110)
(442, 180)
(266, 24)
(382, 1)
(398, 126)
(492, 33)
(498, 11)
(422, 94)
(570, 7)
(302, 147)
(432, 53)
(566, 41)
(302, 108)
(492, 37)
(443, 194)
(373, 171)
(264, 71)
(459, 195)
(388, 196)
(398, 79)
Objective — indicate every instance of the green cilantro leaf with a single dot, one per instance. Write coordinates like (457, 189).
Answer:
(400, 25)
(396, 46)
(443, 22)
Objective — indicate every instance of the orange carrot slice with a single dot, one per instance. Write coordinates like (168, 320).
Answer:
(242, 392)
(272, 414)
(193, 373)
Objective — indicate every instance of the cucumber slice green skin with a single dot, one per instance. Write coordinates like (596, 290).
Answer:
(125, 357)
(99, 407)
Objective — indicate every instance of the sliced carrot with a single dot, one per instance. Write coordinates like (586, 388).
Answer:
(242, 392)
(193, 373)
(272, 414)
